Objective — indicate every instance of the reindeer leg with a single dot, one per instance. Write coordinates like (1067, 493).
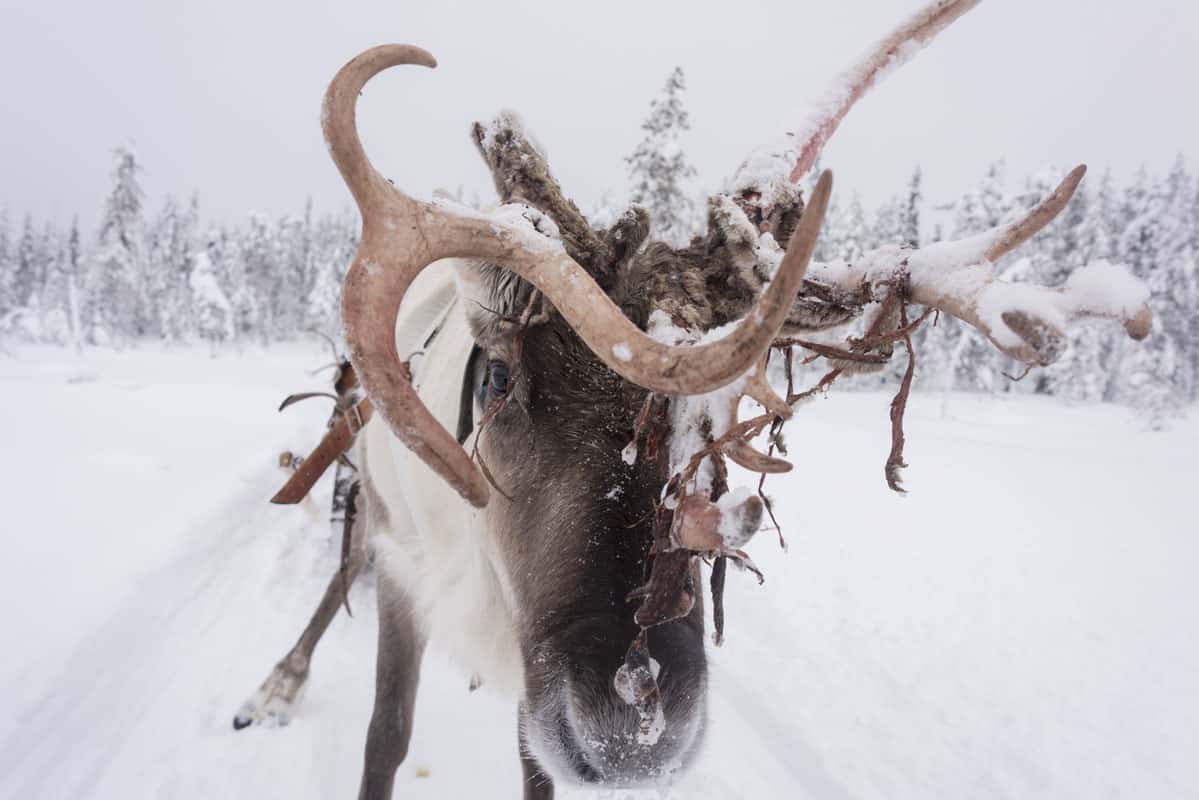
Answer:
(272, 705)
(538, 785)
(397, 672)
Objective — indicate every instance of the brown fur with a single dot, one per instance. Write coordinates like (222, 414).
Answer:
(578, 519)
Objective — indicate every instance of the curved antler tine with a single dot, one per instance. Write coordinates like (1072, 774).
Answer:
(739, 450)
(370, 302)
(401, 236)
(861, 77)
(758, 388)
(339, 122)
(744, 455)
(1030, 224)
(770, 170)
(389, 257)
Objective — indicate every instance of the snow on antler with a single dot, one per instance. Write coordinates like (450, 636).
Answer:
(1025, 321)
(773, 169)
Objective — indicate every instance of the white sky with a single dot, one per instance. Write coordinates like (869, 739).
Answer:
(223, 96)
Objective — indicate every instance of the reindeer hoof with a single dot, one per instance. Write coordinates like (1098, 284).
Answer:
(273, 704)
(274, 713)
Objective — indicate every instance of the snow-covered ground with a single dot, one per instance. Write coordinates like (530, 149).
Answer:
(1024, 624)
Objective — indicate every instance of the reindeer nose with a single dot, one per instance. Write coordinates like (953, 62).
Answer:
(617, 739)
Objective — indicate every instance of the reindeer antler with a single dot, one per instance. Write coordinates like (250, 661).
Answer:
(1025, 321)
(891, 53)
(401, 236)
(767, 176)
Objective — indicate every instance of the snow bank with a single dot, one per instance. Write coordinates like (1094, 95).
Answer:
(1020, 626)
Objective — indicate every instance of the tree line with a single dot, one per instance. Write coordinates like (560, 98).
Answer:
(167, 276)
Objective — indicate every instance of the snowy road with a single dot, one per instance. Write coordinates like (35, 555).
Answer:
(1022, 625)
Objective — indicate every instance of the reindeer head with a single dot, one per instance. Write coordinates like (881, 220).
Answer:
(574, 522)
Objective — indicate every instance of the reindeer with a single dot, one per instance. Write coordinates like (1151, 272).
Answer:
(520, 543)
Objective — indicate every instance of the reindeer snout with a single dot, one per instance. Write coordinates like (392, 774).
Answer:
(601, 730)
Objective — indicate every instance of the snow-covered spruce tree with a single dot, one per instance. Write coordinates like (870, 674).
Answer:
(983, 207)
(225, 249)
(1175, 294)
(858, 236)
(658, 168)
(832, 232)
(25, 266)
(73, 268)
(171, 245)
(1192, 224)
(1142, 211)
(23, 281)
(116, 309)
(336, 239)
(211, 308)
(909, 219)
(51, 303)
(259, 261)
(294, 236)
(8, 299)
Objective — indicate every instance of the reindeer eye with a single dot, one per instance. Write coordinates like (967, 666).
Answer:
(497, 378)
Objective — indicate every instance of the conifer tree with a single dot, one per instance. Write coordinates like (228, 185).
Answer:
(212, 309)
(50, 302)
(832, 232)
(659, 170)
(909, 223)
(25, 266)
(334, 242)
(171, 245)
(117, 307)
(73, 267)
(8, 299)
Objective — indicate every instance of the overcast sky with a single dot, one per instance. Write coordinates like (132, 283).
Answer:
(223, 96)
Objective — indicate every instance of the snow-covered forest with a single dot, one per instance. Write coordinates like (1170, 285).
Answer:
(165, 274)
(1014, 621)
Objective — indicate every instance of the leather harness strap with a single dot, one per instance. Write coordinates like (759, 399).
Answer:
(341, 434)
(336, 441)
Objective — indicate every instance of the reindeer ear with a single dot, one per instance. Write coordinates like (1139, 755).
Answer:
(475, 293)
(494, 299)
